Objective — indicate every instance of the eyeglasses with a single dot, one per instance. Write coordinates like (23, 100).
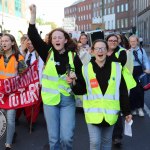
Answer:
(112, 41)
(101, 49)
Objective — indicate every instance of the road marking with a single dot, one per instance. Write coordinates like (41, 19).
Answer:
(147, 109)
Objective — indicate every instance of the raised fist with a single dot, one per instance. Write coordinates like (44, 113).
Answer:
(32, 8)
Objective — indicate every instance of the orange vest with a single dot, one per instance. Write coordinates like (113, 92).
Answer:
(11, 68)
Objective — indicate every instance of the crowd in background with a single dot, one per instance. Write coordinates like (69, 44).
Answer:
(70, 69)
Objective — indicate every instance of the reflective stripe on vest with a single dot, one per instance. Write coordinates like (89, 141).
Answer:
(98, 106)
(101, 110)
(128, 77)
(8, 74)
(54, 84)
(10, 70)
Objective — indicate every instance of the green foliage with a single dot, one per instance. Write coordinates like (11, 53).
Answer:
(53, 24)
(42, 22)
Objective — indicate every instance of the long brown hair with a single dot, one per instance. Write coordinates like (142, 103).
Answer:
(69, 46)
(15, 46)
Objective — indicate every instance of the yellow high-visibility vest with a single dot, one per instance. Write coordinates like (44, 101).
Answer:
(54, 84)
(99, 107)
(128, 77)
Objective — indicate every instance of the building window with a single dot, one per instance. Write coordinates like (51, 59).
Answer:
(94, 5)
(90, 27)
(112, 10)
(79, 18)
(118, 9)
(126, 22)
(126, 7)
(108, 11)
(79, 9)
(105, 12)
(97, 13)
(87, 27)
(89, 16)
(100, 12)
(122, 23)
(118, 23)
(86, 7)
(89, 6)
(94, 14)
(122, 8)
(97, 4)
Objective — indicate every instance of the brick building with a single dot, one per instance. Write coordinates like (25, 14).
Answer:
(125, 16)
(104, 14)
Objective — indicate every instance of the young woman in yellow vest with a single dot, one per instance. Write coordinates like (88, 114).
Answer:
(103, 100)
(12, 64)
(117, 53)
(58, 101)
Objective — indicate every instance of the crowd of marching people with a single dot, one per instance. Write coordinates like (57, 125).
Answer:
(104, 76)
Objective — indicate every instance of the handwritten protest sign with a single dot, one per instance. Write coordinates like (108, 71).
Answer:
(20, 91)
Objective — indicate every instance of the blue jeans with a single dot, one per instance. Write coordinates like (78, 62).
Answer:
(100, 137)
(60, 120)
(10, 116)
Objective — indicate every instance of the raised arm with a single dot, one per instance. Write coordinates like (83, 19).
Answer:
(32, 8)
(40, 46)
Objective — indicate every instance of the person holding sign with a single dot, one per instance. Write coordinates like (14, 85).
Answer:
(58, 99)
(12, 64)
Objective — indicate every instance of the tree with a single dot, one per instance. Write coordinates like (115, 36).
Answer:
(42, 22)
(53, 24)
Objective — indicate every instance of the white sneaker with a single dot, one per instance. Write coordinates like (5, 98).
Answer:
(134, 112)
(141, 113)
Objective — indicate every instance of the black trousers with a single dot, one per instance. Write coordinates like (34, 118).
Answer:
(137, 93)
(118, 129)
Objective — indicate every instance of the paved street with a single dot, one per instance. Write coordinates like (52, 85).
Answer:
(37, 140)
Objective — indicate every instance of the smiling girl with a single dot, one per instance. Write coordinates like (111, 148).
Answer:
(101, 102)
(12, 64)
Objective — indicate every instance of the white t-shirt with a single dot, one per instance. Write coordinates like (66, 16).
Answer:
(40, 62)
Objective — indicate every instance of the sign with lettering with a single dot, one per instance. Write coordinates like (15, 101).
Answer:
(94, 83)
(20, 91)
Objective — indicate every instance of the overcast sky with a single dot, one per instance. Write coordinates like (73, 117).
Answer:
(51, 10)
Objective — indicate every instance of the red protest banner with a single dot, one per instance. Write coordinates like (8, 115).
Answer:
(20, 91)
